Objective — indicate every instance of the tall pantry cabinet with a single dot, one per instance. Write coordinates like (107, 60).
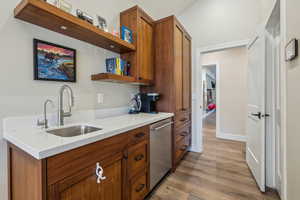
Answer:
(173, 80)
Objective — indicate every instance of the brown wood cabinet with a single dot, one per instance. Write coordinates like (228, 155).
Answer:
(121, 162)
(173, 78)
(142, 60)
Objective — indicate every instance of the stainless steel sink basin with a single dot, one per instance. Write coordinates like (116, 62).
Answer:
(73, 131)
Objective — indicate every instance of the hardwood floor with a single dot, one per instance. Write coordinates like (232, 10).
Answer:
(219, 173)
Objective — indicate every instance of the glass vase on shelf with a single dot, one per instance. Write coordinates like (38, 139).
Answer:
(53, 2)
(65, 6)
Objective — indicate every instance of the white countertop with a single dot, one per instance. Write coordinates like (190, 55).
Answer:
(40, 144)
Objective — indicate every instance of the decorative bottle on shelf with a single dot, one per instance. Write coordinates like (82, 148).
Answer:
(128, 66)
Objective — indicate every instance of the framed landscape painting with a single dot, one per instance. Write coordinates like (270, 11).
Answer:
(53, 62)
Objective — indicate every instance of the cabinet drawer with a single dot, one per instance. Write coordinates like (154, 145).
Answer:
(68, 163)
(139, 135)
(182, 118)
(139, 186)
(138, 158)
(85, 184)
(182, 147)
(182, 132)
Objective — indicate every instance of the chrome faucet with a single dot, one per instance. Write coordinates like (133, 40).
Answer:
(61, 113)
(44, 122)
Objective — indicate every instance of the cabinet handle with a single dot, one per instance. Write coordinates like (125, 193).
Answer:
(183, 120)
(163, 126)
(184, 133)
(140, 135)
(99, 173)
(139, 157)
(140, 188)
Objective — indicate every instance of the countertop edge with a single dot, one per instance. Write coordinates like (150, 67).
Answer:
(46, 153)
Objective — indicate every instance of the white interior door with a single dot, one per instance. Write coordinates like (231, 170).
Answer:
(255, 153)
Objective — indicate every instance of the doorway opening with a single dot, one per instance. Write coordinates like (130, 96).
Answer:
(224, 99)
(265, 51)
(224, 91)
(209, 91)
(224, 129)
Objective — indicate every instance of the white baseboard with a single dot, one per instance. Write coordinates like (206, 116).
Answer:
(196, 144)
(195, 149)
(229, 136)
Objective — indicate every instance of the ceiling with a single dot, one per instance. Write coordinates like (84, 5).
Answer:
(163, 8)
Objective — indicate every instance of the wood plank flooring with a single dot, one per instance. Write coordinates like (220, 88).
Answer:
(219, 173)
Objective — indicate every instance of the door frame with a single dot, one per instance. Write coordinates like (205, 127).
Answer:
(283, 90)
(197, 109)
(271, 110)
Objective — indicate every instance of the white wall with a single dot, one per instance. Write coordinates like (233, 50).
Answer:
(267, 6)
(218, 21)
(212, 22)
(232, 89)
(292, 30)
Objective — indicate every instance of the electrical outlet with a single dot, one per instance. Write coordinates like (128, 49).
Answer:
(100, 98)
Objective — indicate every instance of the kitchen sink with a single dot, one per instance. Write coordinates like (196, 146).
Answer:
(73, 131)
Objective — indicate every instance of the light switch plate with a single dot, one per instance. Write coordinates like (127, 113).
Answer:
(100, 98)
(291, 50)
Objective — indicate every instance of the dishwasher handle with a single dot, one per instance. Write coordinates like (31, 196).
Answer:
(163, 126)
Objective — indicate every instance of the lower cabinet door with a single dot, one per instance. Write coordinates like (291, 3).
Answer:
(101, 181)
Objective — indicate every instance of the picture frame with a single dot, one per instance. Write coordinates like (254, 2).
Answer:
(53, 62)
(126, 34)
(102, 24)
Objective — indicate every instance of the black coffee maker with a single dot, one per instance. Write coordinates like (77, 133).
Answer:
(149, 102)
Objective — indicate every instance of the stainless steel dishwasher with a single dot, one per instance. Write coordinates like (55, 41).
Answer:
(160, 150)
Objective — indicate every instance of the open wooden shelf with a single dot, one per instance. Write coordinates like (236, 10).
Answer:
(107, 77)
(114, 78)
(40, 13)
